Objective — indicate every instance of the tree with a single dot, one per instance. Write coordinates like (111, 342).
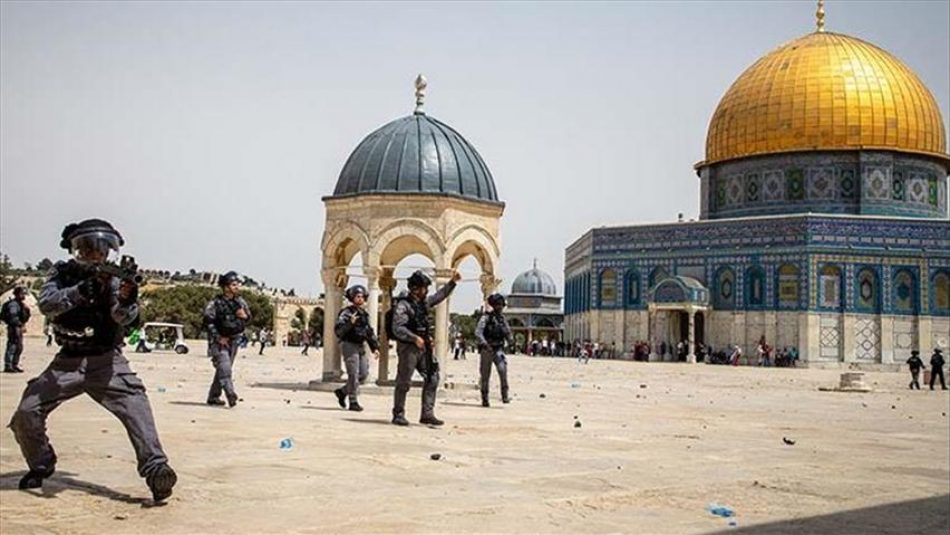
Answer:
(299, 321)
(7, 276)
(185, 304)
(465, 324)
(316, 322)
(44, 265)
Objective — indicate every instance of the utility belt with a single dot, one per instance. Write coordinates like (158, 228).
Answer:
(76, 350)
(76, 343)
(354, 338)
(230, 329)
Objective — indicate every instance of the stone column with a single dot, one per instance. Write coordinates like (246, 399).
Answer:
(334, 279)
(372, 300)
(441, 346)
(887, 339)
(651, 333)
(925, 338)
(387, 284)
(691, 337)
(848, 338)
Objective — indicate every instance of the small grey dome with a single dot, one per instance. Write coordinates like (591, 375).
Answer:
(534, 282)
(416, 154)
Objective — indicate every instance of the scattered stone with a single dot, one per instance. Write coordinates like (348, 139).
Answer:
(788, 442)
(287, 401)
(104, 431)
(642, 385)
(192, 421)
(120, 517)
(435, 456)
(542, 396)
(893, 407)
(577, 423)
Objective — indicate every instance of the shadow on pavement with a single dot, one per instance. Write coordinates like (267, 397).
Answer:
(282, 386)
(61, 481)
(378, 421)
(923, 517)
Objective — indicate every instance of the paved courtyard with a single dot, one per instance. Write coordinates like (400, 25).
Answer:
(655, 445)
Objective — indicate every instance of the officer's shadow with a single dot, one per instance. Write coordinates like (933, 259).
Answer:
(61, 481)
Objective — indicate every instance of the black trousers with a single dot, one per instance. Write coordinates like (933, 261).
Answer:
(933, 375)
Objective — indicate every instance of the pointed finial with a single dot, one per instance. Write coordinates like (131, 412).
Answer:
(820, 16)
(535, 263)
(421, 84)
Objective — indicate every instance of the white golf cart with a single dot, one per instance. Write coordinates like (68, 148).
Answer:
(158, 336)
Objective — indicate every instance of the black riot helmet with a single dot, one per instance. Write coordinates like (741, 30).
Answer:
(418, 280)
(353, 291)
(228, 278)
(91, 240)
(496, 301)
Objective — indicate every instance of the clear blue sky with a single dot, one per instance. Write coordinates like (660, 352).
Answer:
(208, 132)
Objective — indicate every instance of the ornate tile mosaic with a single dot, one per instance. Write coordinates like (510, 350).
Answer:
(867, 339)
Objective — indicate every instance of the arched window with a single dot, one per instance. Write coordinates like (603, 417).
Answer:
(830, 287)
(867, 294)
(608, 288)
(657, 275)
(788, 286)
(632, 287)
(941, 291)
(755, 286)
(724, 295)
(905, 292)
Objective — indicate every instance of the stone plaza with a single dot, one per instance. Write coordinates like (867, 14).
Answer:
(610, 446)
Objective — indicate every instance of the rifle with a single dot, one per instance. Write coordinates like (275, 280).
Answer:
(431, 365)
(126, 270)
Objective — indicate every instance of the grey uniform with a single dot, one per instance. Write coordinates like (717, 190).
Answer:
(17, 314)
(221, 321)
(408, 316)
(89, 362)
(352, 337)
(491, 333)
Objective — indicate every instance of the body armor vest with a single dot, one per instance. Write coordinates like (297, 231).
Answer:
(87, 329)
(225, 316)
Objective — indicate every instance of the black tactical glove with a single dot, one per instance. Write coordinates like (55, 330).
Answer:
(133, 293)
(90, 288)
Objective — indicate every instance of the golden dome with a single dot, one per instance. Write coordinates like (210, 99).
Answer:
(825, 91)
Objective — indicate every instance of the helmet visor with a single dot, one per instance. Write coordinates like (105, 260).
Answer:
(95, 246)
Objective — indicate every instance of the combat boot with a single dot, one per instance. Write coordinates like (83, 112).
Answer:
(216, 402)
(34, 479)
(430, 420)
(355, 406)
(400, 420)
(340, 397)
(232, 400)
(160, 482)
(485, 402)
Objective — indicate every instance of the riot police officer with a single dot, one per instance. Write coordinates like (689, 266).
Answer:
(410, 329)
(492, 332)
(89, 310)
(15, 314)
(353, 329)
(225, 318)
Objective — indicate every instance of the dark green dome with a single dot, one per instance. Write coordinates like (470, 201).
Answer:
(416, 154)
